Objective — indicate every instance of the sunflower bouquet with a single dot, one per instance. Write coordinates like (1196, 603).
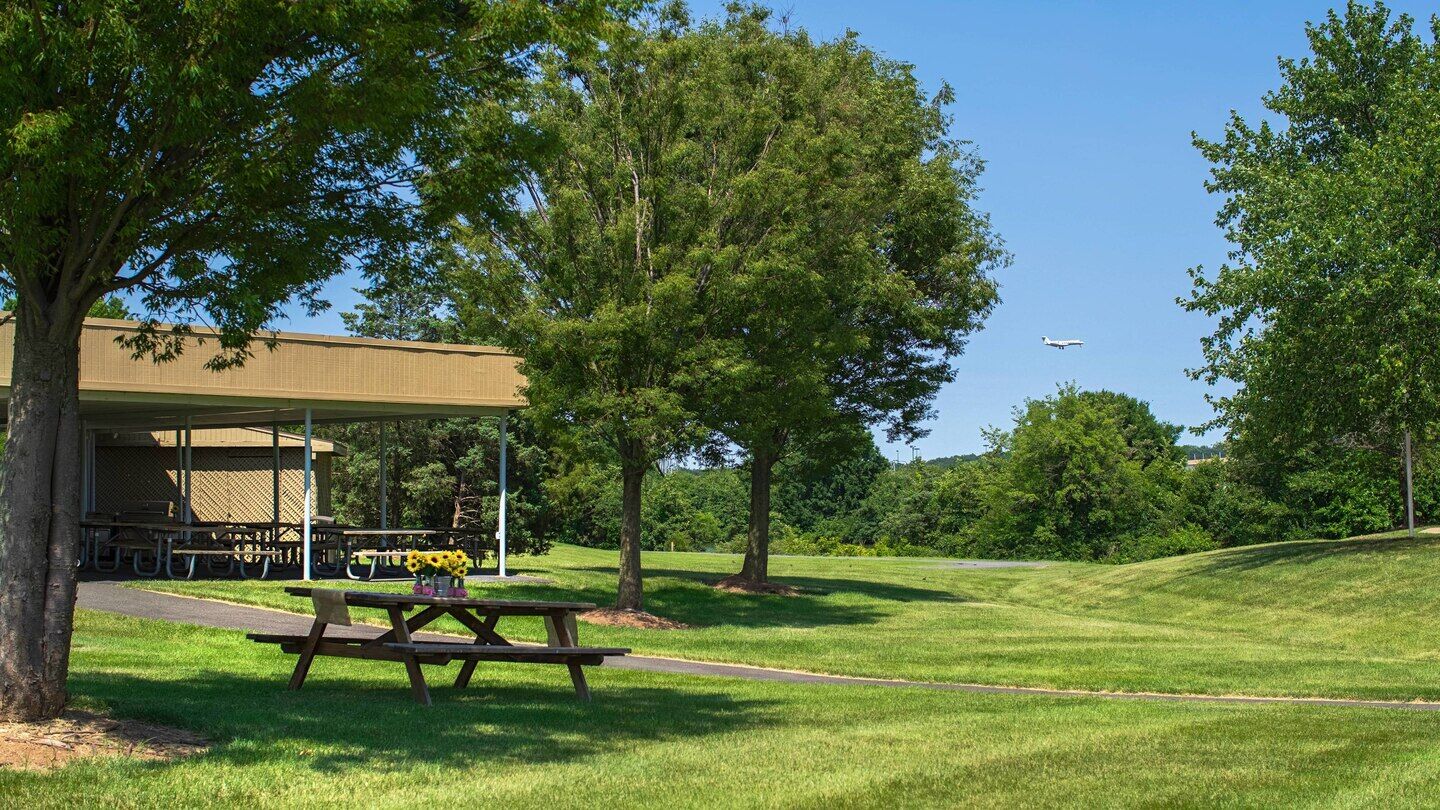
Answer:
(434, 569)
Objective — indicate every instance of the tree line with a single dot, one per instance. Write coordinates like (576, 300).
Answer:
(1079, 475)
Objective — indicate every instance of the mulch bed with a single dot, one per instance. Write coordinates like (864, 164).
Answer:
(734, 584)
(75, 734)
(614, 617)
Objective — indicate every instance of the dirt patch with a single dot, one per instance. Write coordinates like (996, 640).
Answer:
(76, 734)
(734, 584)
(614, 617)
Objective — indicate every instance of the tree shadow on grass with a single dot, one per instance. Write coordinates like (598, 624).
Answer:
(1247, 558)
(813, 586)
(706, 606)
(343, 723)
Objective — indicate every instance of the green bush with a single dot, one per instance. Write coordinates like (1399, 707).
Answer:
(1084, 469)
(1185, 540)
(1232, 510)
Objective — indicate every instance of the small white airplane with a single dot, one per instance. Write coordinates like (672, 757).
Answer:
(1060, 344)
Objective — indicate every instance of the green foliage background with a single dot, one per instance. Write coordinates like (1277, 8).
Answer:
(1080, 475)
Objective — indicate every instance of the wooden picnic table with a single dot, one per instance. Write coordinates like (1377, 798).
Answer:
(345, 531)
(479, 616)
(166, 539)
(356, 542)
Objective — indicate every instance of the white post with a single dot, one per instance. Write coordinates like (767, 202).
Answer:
(384, 499)
(94, 475)
(1409, 488)
(275, 475)
(86, 466)
(179, 472)
(189, 514)
(500, 533)
(305, 526)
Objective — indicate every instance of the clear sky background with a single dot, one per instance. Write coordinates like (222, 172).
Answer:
(1083, 112)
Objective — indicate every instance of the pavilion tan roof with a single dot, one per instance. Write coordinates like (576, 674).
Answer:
(338, 378)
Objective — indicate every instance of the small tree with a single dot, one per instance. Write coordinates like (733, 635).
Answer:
(850, 264)
(596, 283)
(219, 159)
(1329, 309)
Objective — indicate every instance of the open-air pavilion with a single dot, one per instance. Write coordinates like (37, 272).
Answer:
(291, 379)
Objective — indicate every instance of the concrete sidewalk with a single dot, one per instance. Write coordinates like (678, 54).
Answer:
(112, 598)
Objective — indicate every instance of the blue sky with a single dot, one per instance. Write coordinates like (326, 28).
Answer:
(1083, 112)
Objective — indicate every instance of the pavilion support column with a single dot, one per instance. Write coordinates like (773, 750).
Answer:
(87, 466)
(500, 528)
(189, 514)
(309, 493)
(384, 495)
(179, 473)
(275, 474)
(94, 455)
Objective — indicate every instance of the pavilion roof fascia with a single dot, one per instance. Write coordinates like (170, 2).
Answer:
(224, 438)
(337, 378)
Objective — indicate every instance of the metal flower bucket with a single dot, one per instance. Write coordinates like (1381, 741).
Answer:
(442, 584)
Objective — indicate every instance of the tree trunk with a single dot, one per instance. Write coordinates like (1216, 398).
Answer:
(39, 520)
(632, 596)
(757, 547)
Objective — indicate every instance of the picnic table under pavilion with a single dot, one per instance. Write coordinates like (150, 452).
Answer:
(289, 379)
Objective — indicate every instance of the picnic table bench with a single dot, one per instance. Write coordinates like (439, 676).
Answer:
(479, 616)
(370, 548)
(165, 540)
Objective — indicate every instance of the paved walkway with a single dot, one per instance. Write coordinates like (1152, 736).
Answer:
(111, 598)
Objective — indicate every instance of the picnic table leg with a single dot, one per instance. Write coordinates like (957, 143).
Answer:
(412, 667)
(577, 674)
(307, 654)
(467, 668)
(350, 561)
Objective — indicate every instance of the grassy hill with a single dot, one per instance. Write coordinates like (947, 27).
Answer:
(1335, 618)
(1374, 594)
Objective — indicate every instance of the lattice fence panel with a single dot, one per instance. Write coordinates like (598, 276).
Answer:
(129, 475)
(226, 483)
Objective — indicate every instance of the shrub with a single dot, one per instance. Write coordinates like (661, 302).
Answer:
(1185, 540)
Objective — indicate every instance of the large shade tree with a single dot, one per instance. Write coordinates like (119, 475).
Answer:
(849, 261)
(215, 158)
(1329, 308)
(596, 284)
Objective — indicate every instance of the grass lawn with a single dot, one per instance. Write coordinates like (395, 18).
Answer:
(1349, 618)
(353, 738)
